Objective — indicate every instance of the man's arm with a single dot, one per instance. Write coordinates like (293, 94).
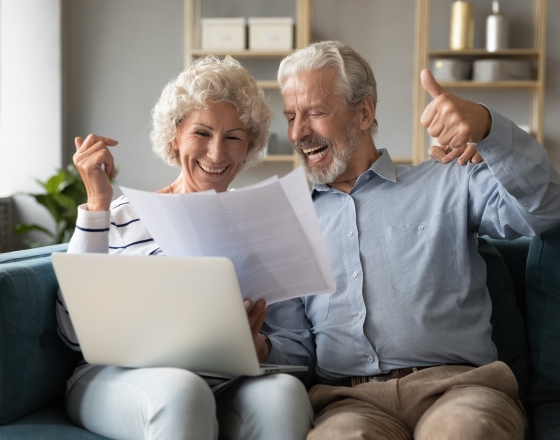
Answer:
(527, 201)
(521, 194)
(288, 329)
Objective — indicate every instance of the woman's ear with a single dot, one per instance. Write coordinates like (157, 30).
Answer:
(367, 113)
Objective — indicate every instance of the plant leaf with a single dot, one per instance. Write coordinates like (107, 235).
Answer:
(28, 227)
(53, 184)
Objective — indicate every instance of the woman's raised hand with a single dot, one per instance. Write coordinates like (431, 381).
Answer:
(95, 162)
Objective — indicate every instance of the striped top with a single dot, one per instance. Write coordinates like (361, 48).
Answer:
(118, 231)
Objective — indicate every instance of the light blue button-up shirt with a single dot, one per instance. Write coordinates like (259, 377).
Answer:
(410, 284)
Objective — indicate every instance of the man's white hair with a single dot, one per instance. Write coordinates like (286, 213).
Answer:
(355, 77)
(210, 80)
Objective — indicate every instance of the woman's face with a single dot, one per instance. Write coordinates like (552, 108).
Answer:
(212, 146)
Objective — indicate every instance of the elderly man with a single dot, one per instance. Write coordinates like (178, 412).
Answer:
(403, 347)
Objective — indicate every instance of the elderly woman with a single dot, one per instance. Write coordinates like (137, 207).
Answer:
(210, 122)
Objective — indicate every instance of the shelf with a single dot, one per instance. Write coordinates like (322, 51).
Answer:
(192, 51)
(402, 160)
(242, 53)
(483, 53)
(281, 158)
(530, 85)
(424, 55)
(268, 84)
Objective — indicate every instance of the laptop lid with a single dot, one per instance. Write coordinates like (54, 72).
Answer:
(145, 311)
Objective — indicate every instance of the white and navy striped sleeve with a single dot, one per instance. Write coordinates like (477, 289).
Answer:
(91, 235)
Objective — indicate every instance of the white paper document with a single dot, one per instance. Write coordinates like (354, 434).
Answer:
(269, 230)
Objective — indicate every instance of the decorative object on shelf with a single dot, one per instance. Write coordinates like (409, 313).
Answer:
(445, 69)
(224, 33)
(461, 35)
(497, 29)
(273, 147)
(501, 70)
(275, 33)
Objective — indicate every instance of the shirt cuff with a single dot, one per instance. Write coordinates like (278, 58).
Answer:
(93, 221)
(498, 144)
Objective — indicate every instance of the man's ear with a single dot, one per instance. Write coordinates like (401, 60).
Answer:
(367, 113)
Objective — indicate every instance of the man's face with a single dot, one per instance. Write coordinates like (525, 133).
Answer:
(322, 129)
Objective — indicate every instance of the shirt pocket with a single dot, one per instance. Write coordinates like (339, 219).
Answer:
(422, 255)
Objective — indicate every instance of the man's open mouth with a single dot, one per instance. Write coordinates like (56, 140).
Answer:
(316, 152)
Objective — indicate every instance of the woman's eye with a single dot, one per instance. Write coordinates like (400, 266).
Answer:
(202, 133)
(233, 138)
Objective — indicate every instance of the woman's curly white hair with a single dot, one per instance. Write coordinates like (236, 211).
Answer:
(210, 80)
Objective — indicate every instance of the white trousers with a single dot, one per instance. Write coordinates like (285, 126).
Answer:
(170, 403)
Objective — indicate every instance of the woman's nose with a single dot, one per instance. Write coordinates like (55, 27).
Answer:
(216, 150)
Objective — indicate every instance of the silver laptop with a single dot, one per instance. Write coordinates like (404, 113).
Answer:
(146, 311)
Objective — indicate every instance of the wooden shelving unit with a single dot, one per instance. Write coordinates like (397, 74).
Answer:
(423, 55)
(192, 50)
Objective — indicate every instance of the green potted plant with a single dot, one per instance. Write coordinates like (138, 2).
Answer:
(65, 191)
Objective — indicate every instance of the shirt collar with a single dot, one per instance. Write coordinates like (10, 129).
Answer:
(383, 167)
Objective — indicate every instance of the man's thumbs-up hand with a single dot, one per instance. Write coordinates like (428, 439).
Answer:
(450, 119)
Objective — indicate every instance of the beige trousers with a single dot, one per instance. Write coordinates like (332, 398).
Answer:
(445, 402)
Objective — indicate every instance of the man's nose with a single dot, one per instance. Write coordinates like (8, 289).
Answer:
(300, 129)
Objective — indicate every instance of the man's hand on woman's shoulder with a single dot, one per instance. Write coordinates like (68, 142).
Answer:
(466, 153)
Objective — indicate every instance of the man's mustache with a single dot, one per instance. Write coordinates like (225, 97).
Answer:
(312, 140)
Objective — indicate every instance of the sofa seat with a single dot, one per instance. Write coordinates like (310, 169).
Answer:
(47, 423)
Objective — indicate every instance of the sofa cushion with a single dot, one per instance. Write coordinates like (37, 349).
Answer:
(547, 422)
(47, 423)
(543, 312)
(34, 363)
(508, 327)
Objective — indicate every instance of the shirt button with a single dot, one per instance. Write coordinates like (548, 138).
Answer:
(350, 234)
(355, 274)
(420, 228)
(485, 150)
(348, 197)
(360, 315)
(369, 358)
(367, 176)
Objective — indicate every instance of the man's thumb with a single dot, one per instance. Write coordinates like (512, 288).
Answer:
(430, 84)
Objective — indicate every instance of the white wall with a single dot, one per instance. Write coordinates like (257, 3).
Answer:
(30, 100)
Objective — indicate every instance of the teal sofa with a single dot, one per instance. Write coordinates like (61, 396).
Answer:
(523, 279)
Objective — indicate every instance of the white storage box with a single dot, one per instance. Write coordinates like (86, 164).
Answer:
(271, 33)
(224, 33)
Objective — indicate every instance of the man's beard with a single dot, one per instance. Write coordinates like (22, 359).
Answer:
(340, 157)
